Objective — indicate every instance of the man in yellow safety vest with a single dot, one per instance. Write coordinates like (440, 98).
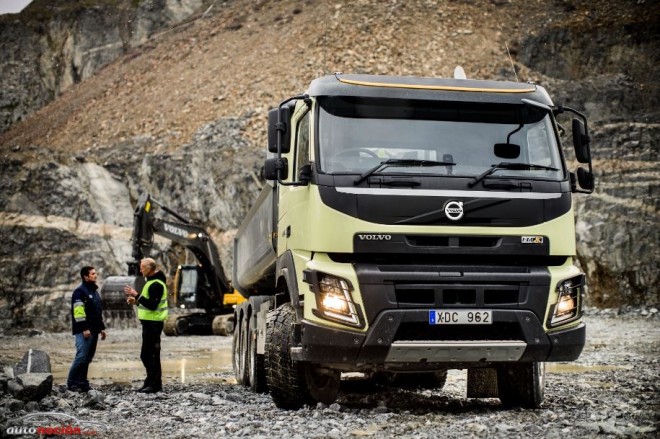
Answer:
(152, 312)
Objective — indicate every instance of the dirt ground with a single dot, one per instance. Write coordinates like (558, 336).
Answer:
(611, 391)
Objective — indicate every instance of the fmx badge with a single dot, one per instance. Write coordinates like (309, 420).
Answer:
(532, 239)
(454, 210)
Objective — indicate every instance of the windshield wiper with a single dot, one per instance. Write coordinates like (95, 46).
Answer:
(510, 165)
(400, 162)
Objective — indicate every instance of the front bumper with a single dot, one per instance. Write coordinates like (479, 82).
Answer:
(405, 336)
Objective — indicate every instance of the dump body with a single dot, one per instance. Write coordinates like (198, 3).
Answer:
(254, 246)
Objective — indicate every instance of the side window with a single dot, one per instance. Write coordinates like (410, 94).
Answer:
(302, 142)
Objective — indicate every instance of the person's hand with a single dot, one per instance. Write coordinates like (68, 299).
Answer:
(130, 291)
(103, 335)
(131, 300)
(86, 333)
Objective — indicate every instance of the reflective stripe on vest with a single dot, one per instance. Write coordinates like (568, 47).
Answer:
(160, 313)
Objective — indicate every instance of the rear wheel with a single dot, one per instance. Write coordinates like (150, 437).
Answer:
(239, 353)
(285, 377)
(521, 384)
(256, 364)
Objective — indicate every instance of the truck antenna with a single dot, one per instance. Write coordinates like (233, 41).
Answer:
(513, 66)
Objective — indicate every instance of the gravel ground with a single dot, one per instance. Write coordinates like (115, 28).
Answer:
(612, 390)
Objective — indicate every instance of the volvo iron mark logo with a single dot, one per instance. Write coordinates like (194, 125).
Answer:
(454, 210)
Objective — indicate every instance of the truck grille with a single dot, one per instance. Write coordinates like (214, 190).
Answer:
(453, 295)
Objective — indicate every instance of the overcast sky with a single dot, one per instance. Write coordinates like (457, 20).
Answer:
(12, 6)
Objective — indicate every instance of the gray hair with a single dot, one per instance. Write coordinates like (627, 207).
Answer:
(150, 263)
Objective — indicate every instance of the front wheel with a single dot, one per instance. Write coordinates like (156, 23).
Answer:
(284, 376)
(521, 384)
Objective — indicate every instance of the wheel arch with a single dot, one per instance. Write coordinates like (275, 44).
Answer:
(287, 283)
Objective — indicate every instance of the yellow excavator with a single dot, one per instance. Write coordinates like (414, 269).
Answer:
(202, 300)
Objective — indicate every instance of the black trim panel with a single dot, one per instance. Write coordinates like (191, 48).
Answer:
(411, 209)
(450, 245)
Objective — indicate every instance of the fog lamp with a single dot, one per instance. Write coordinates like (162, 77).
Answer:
(335, 301)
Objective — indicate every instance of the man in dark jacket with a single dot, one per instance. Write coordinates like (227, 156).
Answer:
(86, 325)
(152, 311)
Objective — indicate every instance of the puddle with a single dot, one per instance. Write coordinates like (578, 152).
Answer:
(193, 366)
(580, 368)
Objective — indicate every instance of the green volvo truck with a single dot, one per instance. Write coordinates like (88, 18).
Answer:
(411, 226)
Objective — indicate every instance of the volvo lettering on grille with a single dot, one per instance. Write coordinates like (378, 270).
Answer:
(374, 237)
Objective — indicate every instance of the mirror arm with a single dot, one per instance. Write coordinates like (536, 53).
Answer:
(280, 132)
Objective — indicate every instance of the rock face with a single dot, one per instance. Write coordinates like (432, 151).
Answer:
(84, 214)
(609, 73)
(49, 47)
(65, 206)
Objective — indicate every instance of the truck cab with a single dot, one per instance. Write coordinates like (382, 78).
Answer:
(413, 225)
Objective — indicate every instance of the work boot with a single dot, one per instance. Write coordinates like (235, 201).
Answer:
(144, 386)
(150, 389)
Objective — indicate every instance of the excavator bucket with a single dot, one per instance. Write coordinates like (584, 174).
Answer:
(113, 299)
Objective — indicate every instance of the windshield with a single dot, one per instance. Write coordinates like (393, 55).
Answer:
(188, 281)
(356, 134)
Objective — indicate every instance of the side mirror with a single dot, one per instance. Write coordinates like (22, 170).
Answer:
(585, 179)
(507, 150)
(273, 167)
(581, 141)
(283, 126)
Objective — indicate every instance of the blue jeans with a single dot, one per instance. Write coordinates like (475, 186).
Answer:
(85, 350)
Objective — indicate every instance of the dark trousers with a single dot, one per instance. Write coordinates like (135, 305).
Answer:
(85, 350)
(150, 353)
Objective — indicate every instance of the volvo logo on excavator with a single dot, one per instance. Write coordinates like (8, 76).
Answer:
(454, 210)
(175, 230)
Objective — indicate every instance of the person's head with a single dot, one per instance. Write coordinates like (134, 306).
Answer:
(88, 273)
(147, 267)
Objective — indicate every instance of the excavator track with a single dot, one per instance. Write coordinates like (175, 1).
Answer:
(223, 324)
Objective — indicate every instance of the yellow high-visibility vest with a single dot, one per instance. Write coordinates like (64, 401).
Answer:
(160, 313)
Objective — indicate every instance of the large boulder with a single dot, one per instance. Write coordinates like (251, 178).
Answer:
(34, 361)
(31, 386)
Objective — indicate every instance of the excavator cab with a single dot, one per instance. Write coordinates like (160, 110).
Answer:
(190, 284)
(185, 286)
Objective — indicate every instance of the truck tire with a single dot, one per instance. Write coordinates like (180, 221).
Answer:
(239, 352)
(256, 364)
(521, 384)
(285, 377)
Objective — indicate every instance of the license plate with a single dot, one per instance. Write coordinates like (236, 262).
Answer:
(460, 317)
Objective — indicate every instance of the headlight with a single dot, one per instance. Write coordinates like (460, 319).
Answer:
(569, 301)
(334, 300)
